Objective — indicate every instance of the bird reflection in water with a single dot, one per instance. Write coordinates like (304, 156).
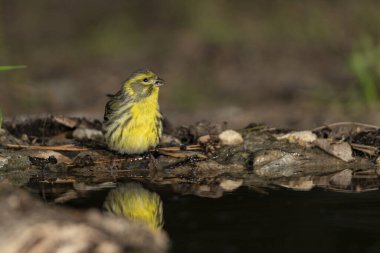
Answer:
(133, 201)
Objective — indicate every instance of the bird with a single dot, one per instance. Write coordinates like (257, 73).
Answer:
(133, 201)
(132, 118)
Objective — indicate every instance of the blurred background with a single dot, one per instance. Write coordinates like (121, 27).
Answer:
(290, 64)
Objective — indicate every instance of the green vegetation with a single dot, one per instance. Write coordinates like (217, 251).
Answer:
(365, 65)
(3, 68)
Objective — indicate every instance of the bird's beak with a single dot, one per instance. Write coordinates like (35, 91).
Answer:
(159, 82)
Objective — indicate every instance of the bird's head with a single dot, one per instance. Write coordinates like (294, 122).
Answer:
(142, 83)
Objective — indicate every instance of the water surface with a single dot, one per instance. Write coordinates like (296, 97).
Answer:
(279, 221)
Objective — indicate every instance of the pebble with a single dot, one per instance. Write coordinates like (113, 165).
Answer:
(14, 162)
(169, 140)
(300, 184)
(3, 161)
(204, 139)
(230, 137)
(303, 138)
(286, 166)
(87, 133)
(24, 137)
(230, 185)
(2, 132)
(342, 178)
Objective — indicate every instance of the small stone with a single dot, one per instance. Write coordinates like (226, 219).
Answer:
(204, 139)
(230, 185)
(2, 132)
(230, 137)
(3, 161)
(24, 137)
(300, 184)
(14, 162)
(169, 140)
(378, 161)
(87, 133)
(286, 166)
(303, 138)
(204, 188)
(342, 178)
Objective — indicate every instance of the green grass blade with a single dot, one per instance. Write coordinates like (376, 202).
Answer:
(4, 68)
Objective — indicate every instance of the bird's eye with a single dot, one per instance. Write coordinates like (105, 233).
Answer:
(145, 80)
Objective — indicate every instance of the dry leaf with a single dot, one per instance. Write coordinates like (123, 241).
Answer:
(66, 121)
(46, 154)
(341, 150)
(343, 129)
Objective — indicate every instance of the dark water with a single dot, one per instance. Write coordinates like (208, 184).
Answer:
(280, 221)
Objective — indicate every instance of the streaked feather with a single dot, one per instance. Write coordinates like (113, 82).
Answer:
(132, 120)
(135, 202)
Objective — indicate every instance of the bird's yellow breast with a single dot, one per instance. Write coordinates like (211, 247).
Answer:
(143, 129)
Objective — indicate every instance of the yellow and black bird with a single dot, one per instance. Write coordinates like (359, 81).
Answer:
(135, 202)
(132, 118)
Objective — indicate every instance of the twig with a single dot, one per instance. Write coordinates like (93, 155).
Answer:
(189, 147)
(181, 155)
(346, 123)
(57, 148)
(364, 148)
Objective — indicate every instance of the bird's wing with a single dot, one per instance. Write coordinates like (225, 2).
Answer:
(115, 103)
(111, 105)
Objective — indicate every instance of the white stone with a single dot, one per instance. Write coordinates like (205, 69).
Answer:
(303, 138)
(230, 137)
(168, 139)
(204, 139)
(87, 133)
(3, 161)
(230, 185)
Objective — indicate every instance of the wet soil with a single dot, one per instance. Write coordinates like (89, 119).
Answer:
(71, 151)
